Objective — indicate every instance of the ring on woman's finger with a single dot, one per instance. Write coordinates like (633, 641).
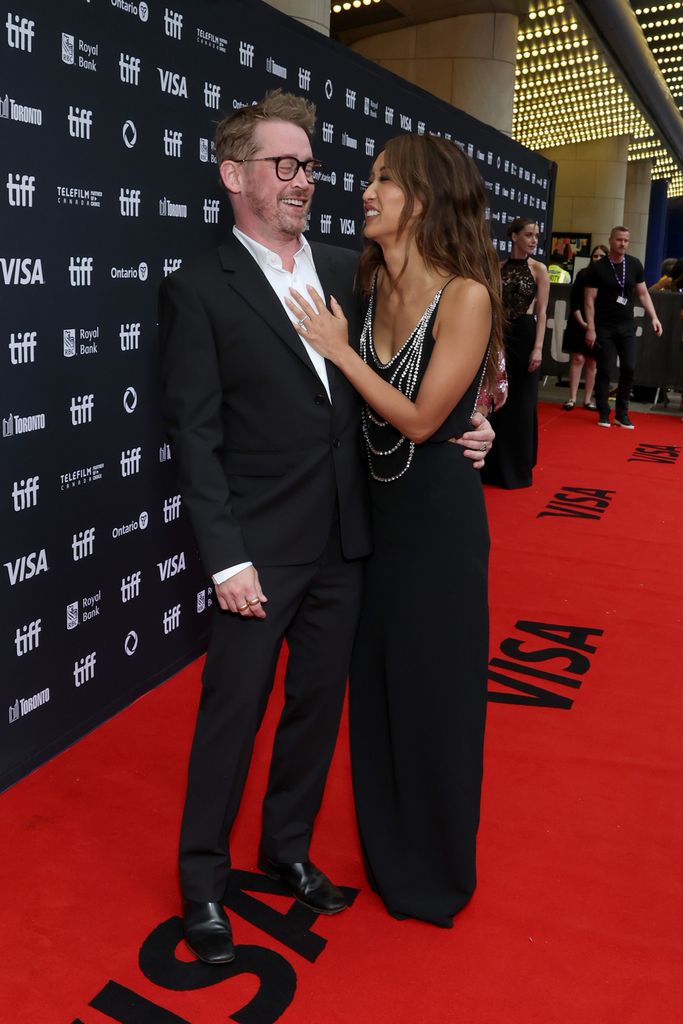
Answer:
(254, 600)
(303, 320)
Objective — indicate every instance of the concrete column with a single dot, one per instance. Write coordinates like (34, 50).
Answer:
(468, 61)
(637, 205)
(314, 13)
(591, 186)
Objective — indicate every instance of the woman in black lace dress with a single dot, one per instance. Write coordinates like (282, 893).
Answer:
(417, 697)
(525, 299)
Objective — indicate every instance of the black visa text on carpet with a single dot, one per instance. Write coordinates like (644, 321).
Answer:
(665, 454)
(578, 503)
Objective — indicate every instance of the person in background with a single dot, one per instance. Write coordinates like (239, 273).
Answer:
(574, 340)
(672, 277)
(611, 288)
(526, 287)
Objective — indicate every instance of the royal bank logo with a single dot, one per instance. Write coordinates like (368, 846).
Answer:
(26, 567)
(22, 348)
(20, 32)
(80, 343)
(350, 99)
(27, 638)
(211, 211)
(172, 508)
(173, 143)
(81, 408)
(85, 610)
(24, 706)
(130, 461)
(219, 43)
(167, 208)
(84, 669)
(171, 619)
(129, 337)
(204, 600)
(172, 83)
(325, 223)
(68, 196)
(328, 131)
(347, 226)
(170, 266)
(87, 53)
(207, 151)
(130, 586)
(370, 107)
(348, 181)
(14, 425)
(13, 111)
(246, 54)
(212, 95)
(83, 544)
(81, 476)
(273, 68)
(171, 566)
(140, 10)
(80, 271)
(129, 202)
(22, 270)
(25, 493)
(349, 141)
(129, 134)
(20, 189)
(304, 79)
(80, 122)
(129, 69)
(369, 147)
(141, 523)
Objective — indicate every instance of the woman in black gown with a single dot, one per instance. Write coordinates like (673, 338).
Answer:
(574, 340)
(525, 299)
(432, 336)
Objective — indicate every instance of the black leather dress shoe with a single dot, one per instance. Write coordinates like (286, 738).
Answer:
(207, 932)
(307, 883)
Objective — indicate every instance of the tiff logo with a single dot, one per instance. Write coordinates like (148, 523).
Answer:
(80, 122)
(129, 335)
(129, 202)
(173, 24)
(25, 493)
(171, 619)
(20, 189)
(82, 409)
(129, 69)
(83, 544)
(80, 271)
(22, 347)
(325, 223)
(170, 266)
(304, 79)
(212, 95)
(211, 210)
(388, 115)
(172, 508)
(173, 142)
(130, 587)
(348, 181)
(328, 131)
(369, 147)
(20, 32)
(130, 461)
(27, 638)
(351, 99)
(84, 669)
(247, 54)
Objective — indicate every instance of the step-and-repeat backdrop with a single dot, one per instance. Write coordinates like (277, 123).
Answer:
(109, 181)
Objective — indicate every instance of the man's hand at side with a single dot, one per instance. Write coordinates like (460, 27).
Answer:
(242, 595)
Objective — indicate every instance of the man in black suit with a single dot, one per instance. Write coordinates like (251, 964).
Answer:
(265, 435)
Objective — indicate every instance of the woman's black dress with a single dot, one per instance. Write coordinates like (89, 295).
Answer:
(574, 338)
(419, 668)
(511, 460)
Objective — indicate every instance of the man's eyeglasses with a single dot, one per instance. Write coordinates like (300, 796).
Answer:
(287, 167)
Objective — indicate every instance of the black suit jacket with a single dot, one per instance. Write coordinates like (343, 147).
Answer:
(264, 459)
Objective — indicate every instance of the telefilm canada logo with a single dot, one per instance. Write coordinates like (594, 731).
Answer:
(72, 195)
(82, 476)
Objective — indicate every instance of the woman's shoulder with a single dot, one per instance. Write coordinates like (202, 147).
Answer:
(537, 268)
(463, 296)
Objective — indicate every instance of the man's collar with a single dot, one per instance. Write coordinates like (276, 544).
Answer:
(262, 254)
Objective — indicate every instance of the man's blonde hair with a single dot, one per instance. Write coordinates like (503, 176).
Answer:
(235, 134)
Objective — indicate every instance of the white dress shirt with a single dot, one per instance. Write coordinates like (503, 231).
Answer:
(281, 281)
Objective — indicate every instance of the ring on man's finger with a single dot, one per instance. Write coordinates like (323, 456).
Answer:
(484, 446)
(243, 607)
(255, 600)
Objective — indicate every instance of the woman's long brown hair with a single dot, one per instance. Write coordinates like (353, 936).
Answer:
(450, 230)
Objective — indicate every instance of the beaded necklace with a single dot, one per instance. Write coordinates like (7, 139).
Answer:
(405, 366)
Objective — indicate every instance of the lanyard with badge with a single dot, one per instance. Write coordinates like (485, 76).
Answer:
(621, 280)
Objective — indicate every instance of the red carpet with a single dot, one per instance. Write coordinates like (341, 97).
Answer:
(578, 913)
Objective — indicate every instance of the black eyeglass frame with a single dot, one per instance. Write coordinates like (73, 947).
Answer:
(315, 166)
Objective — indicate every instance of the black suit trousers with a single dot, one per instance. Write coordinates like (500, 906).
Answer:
(314, 607)
(619, 338)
